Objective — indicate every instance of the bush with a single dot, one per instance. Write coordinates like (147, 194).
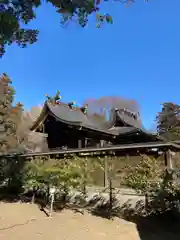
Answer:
(64, 174)
(157, 184)
(145, 176)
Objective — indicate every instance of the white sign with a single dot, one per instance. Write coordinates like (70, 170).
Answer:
(52, 190)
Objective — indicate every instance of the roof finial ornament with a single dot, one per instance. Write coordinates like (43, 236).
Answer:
(57, 96)
(54, 100)
(85, 109)
(71, 104)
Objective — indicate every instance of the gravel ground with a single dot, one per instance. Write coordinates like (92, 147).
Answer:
(25, 221)
(19, 221)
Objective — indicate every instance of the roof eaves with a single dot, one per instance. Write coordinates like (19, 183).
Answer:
(41, 118)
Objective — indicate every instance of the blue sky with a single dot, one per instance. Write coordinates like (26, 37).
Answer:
(138, 57)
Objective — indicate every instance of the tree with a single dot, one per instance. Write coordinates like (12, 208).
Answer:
(10, 116)
(12, 15)
(15, 13)
(65, 175)
(30, 141)
(7, 139)
(145, 176)
(100, 109)
(168, 121)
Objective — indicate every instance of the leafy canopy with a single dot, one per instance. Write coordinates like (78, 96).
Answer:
(15, 14)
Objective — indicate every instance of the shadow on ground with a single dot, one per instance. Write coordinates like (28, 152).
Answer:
(160, 228)
(154, 227)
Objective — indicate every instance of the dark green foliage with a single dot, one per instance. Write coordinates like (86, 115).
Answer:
(10, 116)
(73, 173)
(11, 172)
(17, 12)
(102, 19)
(12, 15)
(7, 124)
(161, 190)
(168, 121)
(65, 175)
(146, 175)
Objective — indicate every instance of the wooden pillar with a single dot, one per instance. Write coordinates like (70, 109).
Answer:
(170, 175)
(168, 160)
(101, 143)
(79, 143)
(85, 142)
(105, 172)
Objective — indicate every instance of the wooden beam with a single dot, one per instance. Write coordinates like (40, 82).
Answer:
(123, 149)
(41, 122)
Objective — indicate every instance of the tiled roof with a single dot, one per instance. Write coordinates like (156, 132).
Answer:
(74, 116)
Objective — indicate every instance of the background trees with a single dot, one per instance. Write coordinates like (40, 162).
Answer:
(168, 121)
(15, 122)
(9, 116)
(100, 109)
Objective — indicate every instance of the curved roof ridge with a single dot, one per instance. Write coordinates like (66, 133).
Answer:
(62, 112)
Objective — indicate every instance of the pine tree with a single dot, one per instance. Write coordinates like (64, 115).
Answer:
(168, 121)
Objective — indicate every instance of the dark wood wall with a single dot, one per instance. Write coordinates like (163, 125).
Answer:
(63, 135)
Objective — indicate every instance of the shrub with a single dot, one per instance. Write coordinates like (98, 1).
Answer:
(145, 176)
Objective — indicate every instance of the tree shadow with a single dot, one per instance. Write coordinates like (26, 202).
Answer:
(150, 227)
(158, 227)
(100, 206)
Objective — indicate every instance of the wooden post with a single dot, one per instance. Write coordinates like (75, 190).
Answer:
(51, 206)
(168, 160)
(105, 172)
(52, 191)
(101, 143)
(110, 175)
(170, 176)
(85, 142)
(79, 143)
(98, 145)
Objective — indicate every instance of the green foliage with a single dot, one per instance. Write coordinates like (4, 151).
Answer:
(65, 174)
(106, 18)
(164, 198)
(33, 176)
(9, 116)
(15, 14)
(11, 173)
(168, 121)
(12, 15)
(162, 191)
(145, 176)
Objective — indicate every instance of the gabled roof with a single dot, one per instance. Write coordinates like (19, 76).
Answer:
(74, 116)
